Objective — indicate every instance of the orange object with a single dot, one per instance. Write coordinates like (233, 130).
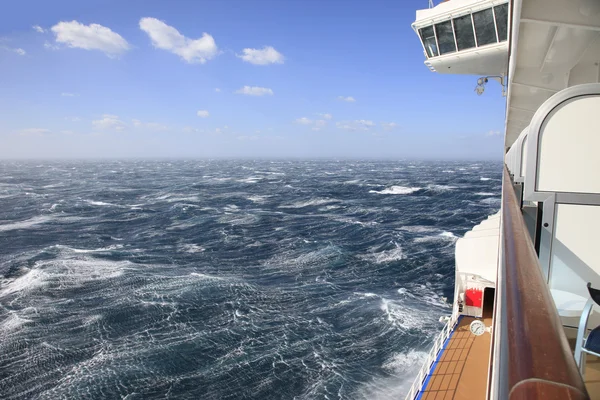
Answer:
(474, 297)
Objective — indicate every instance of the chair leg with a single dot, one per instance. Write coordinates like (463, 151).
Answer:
(580, 332)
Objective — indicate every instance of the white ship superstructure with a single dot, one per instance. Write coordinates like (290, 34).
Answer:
(525, 310)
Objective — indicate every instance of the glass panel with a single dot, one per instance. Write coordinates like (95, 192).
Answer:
(484, 27)
(428, 39)
(501, 21)
(445, 37)
(464, 32)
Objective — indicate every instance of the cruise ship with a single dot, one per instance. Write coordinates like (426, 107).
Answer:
(525, 321)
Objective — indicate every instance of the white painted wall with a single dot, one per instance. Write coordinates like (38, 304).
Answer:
(569, 148)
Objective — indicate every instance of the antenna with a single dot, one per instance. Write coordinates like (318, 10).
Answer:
(430, 3)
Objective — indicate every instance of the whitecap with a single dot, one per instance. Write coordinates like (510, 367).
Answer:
(205, 276)
(66, 273)
(311, 202)
(192, 248)
(441, 236)
(484, 179)
(99, 203)
(484, 194)
(258, 199)
(441, 188)
(13, 322)
(28, 223)
(396, 190)
(385, 256)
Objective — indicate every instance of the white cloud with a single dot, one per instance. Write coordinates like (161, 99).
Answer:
(348, 99)
(19, 51)
(90, 37)
(303, 121)
(356, 125)
(255, 91)
(154, 126)
(217, 90)
(33, 131)
(203, 113)
(266, 55)
(109, 122)
(66, 94)
(316, 125)
(50, 46)
(493, 133)
(38, 29)
(325, 116)
(388, 126)
(73, 119)
(168, 38)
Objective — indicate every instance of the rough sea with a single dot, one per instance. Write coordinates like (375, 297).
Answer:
(203, 279)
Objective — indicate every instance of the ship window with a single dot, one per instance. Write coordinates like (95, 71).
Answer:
(501, 21)
(464, 32)
(428, 38)
(445, 37)
(485, 30)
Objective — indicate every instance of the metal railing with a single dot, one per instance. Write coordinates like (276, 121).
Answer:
(438, 344)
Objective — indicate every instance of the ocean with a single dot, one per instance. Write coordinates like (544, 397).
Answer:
(228, 279)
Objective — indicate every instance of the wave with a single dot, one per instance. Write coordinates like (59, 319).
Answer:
(100, 203)
(386, 256)
(441, 188)
(485, 194)
(13, 322)
(192, 248)
(311, 202)
(28, 223)
(98, 250)
(484, 179)
(441, 236)
(258, 199)
(401, 369)
(397, 190)
(251, 179)
(70, 272)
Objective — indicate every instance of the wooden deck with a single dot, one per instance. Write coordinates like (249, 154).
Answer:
(592, 371)
(462, 370)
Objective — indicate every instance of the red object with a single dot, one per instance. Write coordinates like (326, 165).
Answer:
(474, 297)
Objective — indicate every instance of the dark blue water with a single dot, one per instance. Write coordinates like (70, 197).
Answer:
(228, 279)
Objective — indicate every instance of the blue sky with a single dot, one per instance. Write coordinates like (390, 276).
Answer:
(297, 78)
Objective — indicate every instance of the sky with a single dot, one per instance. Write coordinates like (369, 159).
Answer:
(232, 78)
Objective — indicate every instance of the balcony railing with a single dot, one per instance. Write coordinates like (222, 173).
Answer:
(531, 356)
(438, 345)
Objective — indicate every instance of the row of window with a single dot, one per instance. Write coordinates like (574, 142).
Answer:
(468, 31)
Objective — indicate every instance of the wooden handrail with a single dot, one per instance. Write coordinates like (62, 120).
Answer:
(540, 364)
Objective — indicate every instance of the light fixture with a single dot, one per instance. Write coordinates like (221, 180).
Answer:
(481, 82)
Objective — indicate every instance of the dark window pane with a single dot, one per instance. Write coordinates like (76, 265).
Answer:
(501, 21)
(485, 30)
(464, 32)
(428, 39)
(445, 37)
